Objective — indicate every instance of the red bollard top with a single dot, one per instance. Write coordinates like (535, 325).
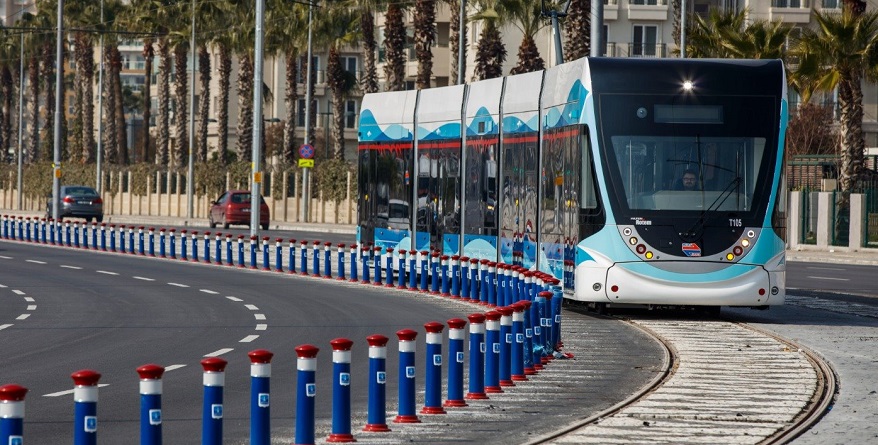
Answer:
(377, 340)
(434, 327)
(476, 318)
(316, 243)
(278, 240)
(194, 233)
(172, 230)
(152, 229)
(464, 259)
(253, 237)
(485, 262)
(150, 371)
(435, 254)
(390, 250)
(219, 234)
(266, 239)
(425, 253)
(517, 307)
(492, 316)
(260, 356)
(240, 237)
(545, 294)
(12, 393)
(206, 233)
(303, 242)
(307, 351)
(341, 344)
(141, 228)
(504, 311)
(214, 364)
(377, 248)
(456, 323)
(182, 231)
(354, 246)
(341, 246)
(526, 303)
(406, 335)
(85, 377)
(444, 257)
(474, 261)
(327, 244)
(413, 252)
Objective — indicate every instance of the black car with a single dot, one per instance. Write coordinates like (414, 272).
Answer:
(78, 201)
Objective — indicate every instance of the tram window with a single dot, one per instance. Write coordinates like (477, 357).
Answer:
(588, 200)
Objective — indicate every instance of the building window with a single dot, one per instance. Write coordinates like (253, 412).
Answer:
(830, 4)
(350, 115)
(303, 75)
(786, 3)
(351, 65)
(645, 40)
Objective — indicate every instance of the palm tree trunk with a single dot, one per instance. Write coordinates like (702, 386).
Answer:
(369, 82)
(47, 141)
(335, 80)
(8, 87)
(245, 111)
(394, 45)
(119, 106)
(110, 138)
(456, 29)
(148, 55)
(87, 137)
(577, 30)
(291, 101)
(78, 102)
(204, 104)
(181, 113)
(529, 59)
(222, 112)
(425, 28)
(33, 72)
(164, 102)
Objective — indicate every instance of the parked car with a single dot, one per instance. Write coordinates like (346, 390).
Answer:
(78, 201)
(233, 207)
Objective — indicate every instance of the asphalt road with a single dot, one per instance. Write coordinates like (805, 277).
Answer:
(830, 278)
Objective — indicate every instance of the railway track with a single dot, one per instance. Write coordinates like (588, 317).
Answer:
(726, 382)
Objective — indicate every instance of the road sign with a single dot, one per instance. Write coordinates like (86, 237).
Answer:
(306, 152)
(306, 163)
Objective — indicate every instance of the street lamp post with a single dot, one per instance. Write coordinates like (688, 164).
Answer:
(190, 207)
(59, 77)
(100, 153)
(255, 200)
(20, 110)
(306, 189)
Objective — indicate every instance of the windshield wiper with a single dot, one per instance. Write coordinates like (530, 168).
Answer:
(692, 233)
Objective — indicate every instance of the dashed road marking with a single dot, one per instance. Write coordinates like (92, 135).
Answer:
(208, 291)
(22, 317)
(234, 299)
(248, 339)
(6, 257)
(261, 327)
(17, 292)
(64, 266)
(173, 367)
(178, 285)
(4, 326)
(830, 278)
(144, 278)
(31, 307)
(252, 307)
(219, 352)
(106, 272)
(29, 299)
(70, 391)
(259, 316)
(35, 261)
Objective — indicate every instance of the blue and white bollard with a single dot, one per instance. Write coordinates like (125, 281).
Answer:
(474, 280)
(253, 249)
(278, 255)
(315, 258)
(376, 413)
(327, 260)
(131, 240)
(423, 267)
(400, 275)
(435, 267)
(476, 357)
(172, 244)
(407, 375)
(152, 241)
(303, 251)
(306, 393)
(365, 260)
(291, 252)
(492, 352)
(162, 242)
(455, 362)
(260, 396)
(548, 346)
(505, 346)
(528, 339)
(376, 261)
(218, 248)
(207, 247)
(141, 242)
(353, 253)
(230, 259)
(266, 265)
(12, 414)
(240, 250)
(150, 404)
(493, 286)
(194, 237)
(341, 253)
(413, 269)
(388, 268)
(539, 322)
(212, 409)
(557, 302)
(112, 233)
(184, 247)
(433, 379)
(341, 391)
(85, 407)
(464, 278)
(446, 278)
(518, 346)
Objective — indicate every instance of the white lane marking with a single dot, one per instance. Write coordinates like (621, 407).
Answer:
(22, 316)
(248, 339)
(234, 298)
(173, 367)
(824, 268)
(144, 278)
(261, 327)
(208, 291)
(64, 266)
(178, 285)
(252, 307)
(17, 292)
(3, 286)
(259, 316)
(29, 299)
(830, 278)
(6, 257)
(70, 391)
(219, 352)
(35, 261)
(31, 307)
(106, 272)
(4, 326)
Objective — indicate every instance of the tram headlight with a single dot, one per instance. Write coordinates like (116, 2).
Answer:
(632, 240)
(648, 255)
(745, 242)
(641, 248)
(730, 256)
(738, 250)
(688, 85)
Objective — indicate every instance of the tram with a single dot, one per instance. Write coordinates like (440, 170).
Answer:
(634, 181)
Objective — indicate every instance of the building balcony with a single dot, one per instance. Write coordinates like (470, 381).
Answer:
(790, 11)
(647, 50)
(654, 10)
(611, 9)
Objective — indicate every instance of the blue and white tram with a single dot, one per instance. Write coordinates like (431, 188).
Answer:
(578, 171)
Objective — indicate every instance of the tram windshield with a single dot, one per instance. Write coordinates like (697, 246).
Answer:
(688, 173)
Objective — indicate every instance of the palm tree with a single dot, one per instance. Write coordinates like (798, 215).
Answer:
(704, 38)
(455, 28)
(369, 82)
(526, 16)
(338, 27)
(244, 41)
(288, 33)
(577, 30)
(31, 53)
(425, 35)
(759, 40)
(139, 17)
(490, 51)
(840, 54)
(211, 16)
(394, 47)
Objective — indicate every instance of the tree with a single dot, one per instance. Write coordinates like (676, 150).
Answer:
(243, 43)
(526, 16)
(289, 33)
(394, 47)
(577, 30)
(704, 38)
(456, 28)
(425, 33)
(490, 51)
(811, 131)
(338, 28)
(369, 81)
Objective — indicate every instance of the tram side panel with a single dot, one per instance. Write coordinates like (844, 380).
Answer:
(519, 172)
(481, 168)
(438, 175)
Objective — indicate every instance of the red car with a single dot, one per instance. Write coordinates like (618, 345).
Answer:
(233, 207)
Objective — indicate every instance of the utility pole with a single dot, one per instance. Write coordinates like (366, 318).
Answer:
(256, 182)
(59, 77)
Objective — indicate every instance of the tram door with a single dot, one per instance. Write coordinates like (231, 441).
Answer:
(518, 214)
(560, 176)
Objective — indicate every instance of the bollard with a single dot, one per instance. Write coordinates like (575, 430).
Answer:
(376, 261)
(492, 353)
(94, 236)
(455, 362)
(212, 409)
(492, 284)
(476, 357)
(433, 379)
(230, 260)
(217, 248)
(253, 249)
(207, 247)
(12, 414)
(43, 226)
(546, 327)
(446, 278)
(184, 248)
(501, 284)
(303, 250)
(364, 251)
(407, 375)
(456, 276)
(150, 404)
(240, 250)
(516, 368)
(413, 270)
(557, 302)
(423, 267)
(5, 230)
(401, 254)
(85, 407)
(194, 237)
(112, 237)
(474, 280)
(528, 339)
(152, 241)
(131, 240)
(341, 253)
(341, 391)
(162, 242)
(306, 393)
(352, 251)
(68, 237)
(75, 233)
(141, 241)
(278, 255)
(505, 346)
(172, 244)
(266, 265)
(327, 260)
(376, 418)
(434, 273)
(291, 251)
(464, 278)
(315, 258)
(260, 396)
(538, 322)
(388, 267)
